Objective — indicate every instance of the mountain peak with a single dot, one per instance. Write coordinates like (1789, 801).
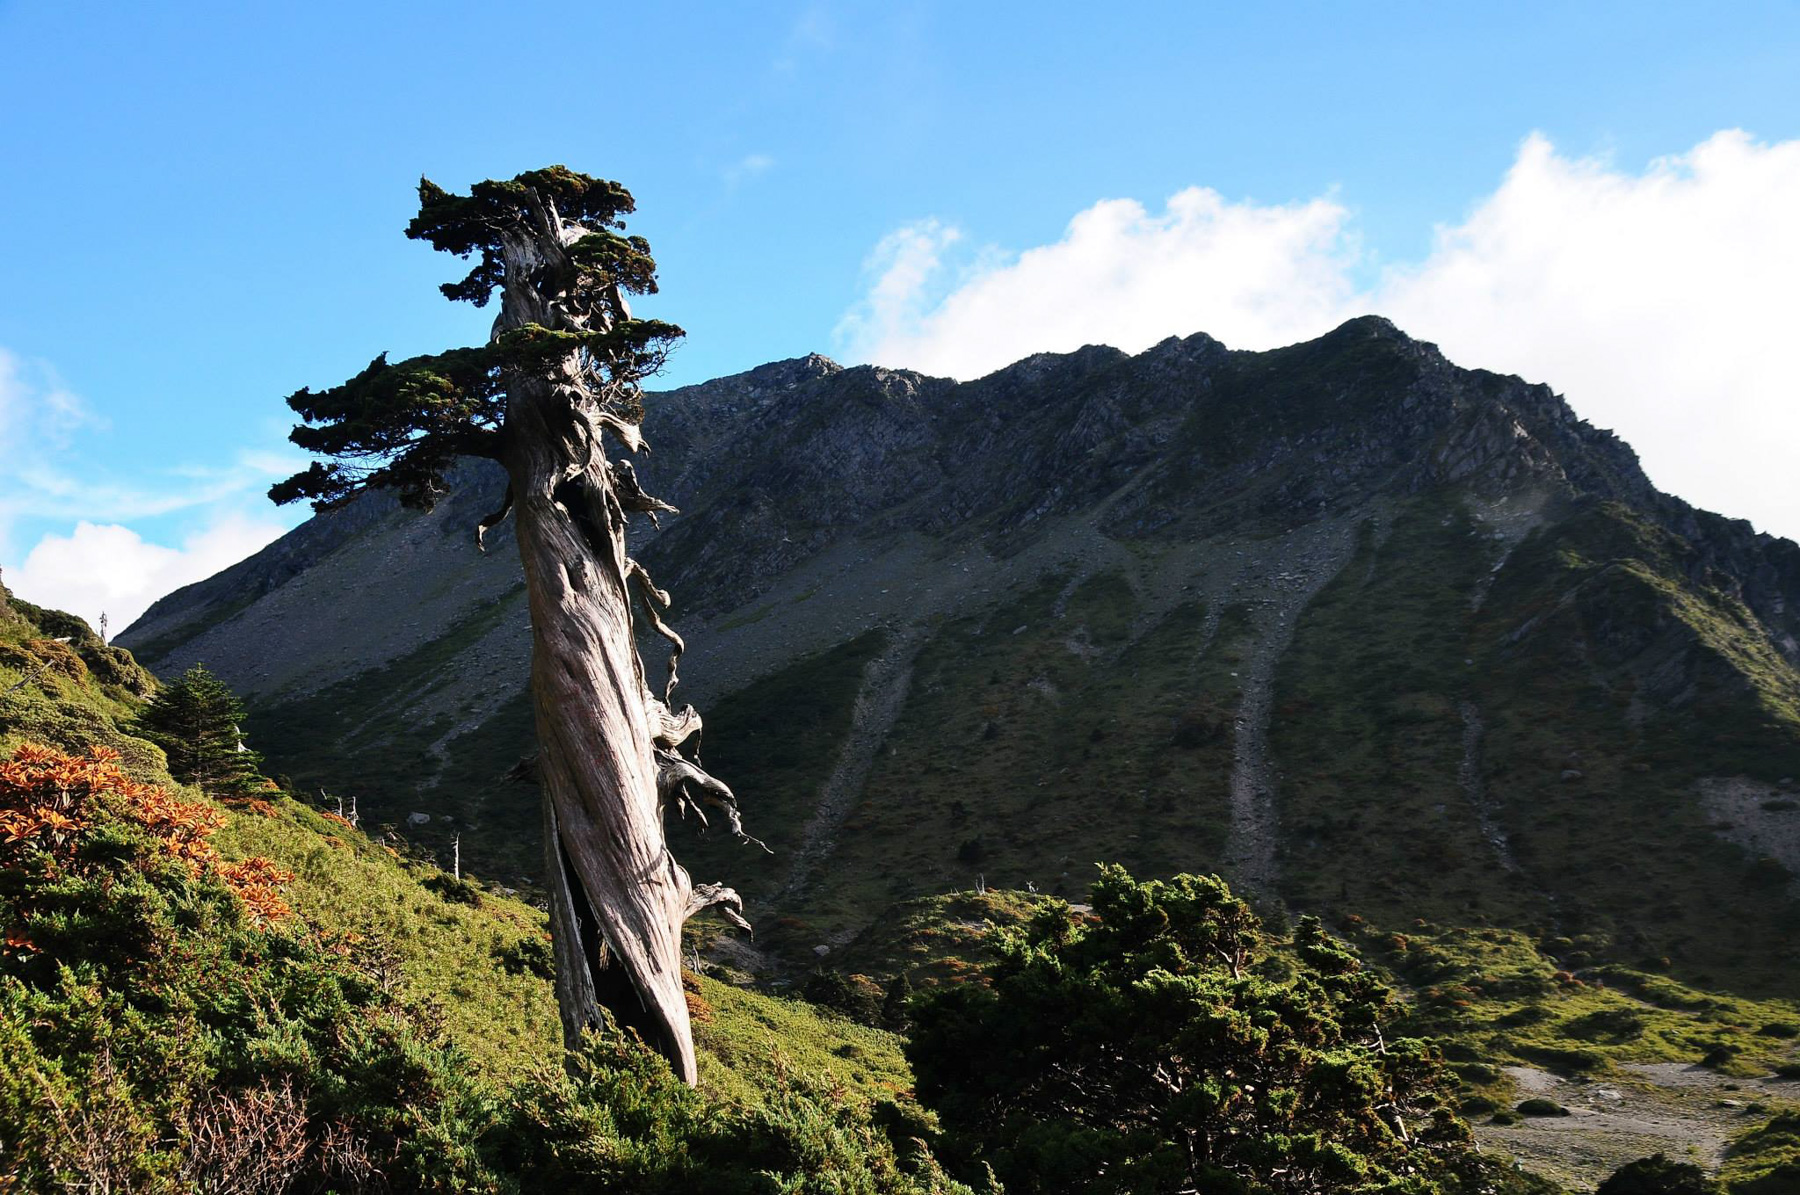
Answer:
(787, 374)
(1377, 326)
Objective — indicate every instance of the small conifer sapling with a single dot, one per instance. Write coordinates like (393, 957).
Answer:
(197, 722)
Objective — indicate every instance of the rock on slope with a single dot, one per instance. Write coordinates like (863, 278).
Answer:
(1363, 629)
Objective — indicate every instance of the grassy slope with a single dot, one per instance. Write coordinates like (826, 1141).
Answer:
(1589, 618)
(455, 948)
(1594, 793)
(1765, 1160)
(1036, 741)
(354, 735)
(456, 955)
(69, 695)
(1367, 730)
(1055, 733)
(750, 1042)
(1058, 731)
(1500, 999)
(775, 742)
(934, 940)
(447, 951)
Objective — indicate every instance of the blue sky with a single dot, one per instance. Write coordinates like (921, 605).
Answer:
(202, 206)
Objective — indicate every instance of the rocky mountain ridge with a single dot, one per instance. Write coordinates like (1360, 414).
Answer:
(1339, 618)
(774, 465)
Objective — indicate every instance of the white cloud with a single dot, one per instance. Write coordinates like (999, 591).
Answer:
(111, 569)
(905, 265)
(1252, 275)
(36, 406)
(746, 168)
(85, 559)
(1663, 302)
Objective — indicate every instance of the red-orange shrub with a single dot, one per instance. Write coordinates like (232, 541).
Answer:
(49, 802)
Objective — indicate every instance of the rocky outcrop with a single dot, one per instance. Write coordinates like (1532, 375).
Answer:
(774, 466)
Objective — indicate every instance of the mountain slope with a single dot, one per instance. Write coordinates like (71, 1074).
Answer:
(475, 957)
(256, 995)
(1365, 630)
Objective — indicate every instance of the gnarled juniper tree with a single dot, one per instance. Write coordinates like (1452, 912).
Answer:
(559, 376)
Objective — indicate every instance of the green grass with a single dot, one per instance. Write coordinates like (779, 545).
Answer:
(459, 958)
(62, 712)
(447, 953)
(355, 736)
(934, 940)
(749, 1043)
(70, 696)
(1495, 997)
(1368, 731)
(1765, 1160)
(1035, 742)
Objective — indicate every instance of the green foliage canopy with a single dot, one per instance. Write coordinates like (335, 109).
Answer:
(196, 720)
(1155, 1047)
(402, 424)
(1658, 1175)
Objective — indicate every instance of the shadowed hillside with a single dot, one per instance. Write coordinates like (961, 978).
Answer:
(1364, 630)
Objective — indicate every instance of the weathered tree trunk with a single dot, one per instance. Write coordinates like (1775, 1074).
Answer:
(607, 745)
(618, 898)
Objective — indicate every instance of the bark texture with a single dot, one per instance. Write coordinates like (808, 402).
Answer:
(609, 748)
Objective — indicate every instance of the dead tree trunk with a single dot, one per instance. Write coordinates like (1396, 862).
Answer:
(558, 377)
(608, 755)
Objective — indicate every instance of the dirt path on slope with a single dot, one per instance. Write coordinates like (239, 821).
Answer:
(1687, 1112)
(1468, 776)
(886, 679)
(1278, 584)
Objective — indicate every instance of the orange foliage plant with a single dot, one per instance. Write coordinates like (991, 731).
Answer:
(50, 801)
